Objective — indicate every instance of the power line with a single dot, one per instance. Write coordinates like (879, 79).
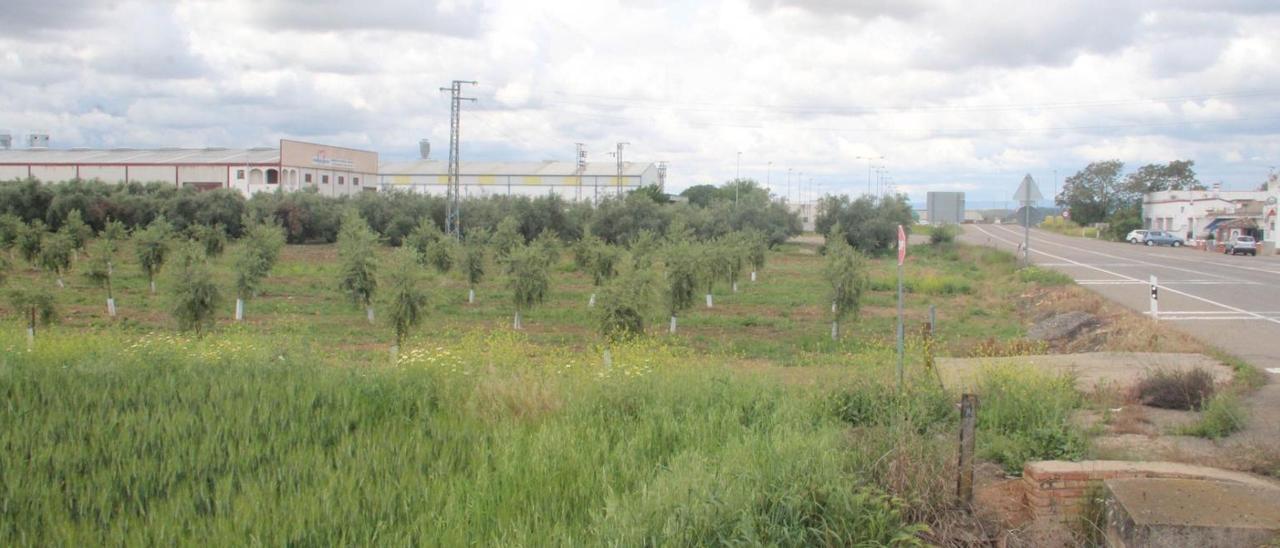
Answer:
(453, 200)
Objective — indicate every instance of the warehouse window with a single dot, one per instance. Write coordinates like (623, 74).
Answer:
(273, 176)
(324, 179)
(342, 180)
(240, 174)
(307, 178)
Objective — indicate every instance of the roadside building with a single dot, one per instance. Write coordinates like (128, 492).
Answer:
(594, 181)
(1190, 213)
(293, 165)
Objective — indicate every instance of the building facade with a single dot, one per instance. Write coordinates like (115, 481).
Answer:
(333, 171)
(592, 182)
(1189, 213)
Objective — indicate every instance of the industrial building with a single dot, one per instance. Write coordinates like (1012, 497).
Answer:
(293, 165)
(590, 181)
(944, 208)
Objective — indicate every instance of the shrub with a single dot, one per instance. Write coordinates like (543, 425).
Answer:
(406, 301)
(440, 254)
(1222, 416)
(845, 272)
(1024, 415)
(151, 245)
(527, 277)
(357, 260)
(1184, 389)
(682, 274)
(624, 304)
(942, 234)
(193, 296)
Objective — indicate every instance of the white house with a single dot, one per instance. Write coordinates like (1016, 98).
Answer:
(1189, 212)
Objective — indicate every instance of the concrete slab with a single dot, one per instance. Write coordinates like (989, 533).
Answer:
(1091, 370)
(1190, 512)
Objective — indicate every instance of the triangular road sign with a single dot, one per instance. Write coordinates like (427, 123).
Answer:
(1028, 191)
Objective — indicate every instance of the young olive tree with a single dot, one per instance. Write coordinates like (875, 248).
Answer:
(151, 245)
(643, 248)
(55, 255)
(98, 270)
(713, 264)
(11, 228)
(734, 255)
(29, 239)
(846, 272)
(406, 302)
(194, 298)
(757, 248)
(682, 275)
(506, 237)
(584, 251)
(358, 264)
(527, 277)
(440, 254)
(113, 233)
(603, 267)
(473, 267)
(253, 261)
(77, 231)
(212, 238)
(422, 237)
(549, 242)
(36, 305)
(624, 303)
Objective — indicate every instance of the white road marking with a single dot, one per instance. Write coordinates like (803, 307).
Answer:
(1171, 282)
(1108, 272)
(1273, 370)
(1110, 256)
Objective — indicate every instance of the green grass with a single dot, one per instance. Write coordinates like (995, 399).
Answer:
(750, 426)
(1220, 417)
(1025, 415)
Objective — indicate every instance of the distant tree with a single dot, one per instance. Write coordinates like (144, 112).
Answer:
(406, 304)
(603, 267)
(624, 304)
(527, 277)
(1175, 175)
(29, 239)
(1094, 193)
(643, 247)
(757, 248)
(653, 193)
(36, 306)
(845, 271)
(11, 229)
(257, 255)
(584, 252)
(358, 265)
(701, 195)
(549, 242)
(152, 248)
(473, 267)
(212, 238)
(55, 255)
(98, 270)
(113, 232)
(506, 238)
(682, 277)
(421, 238)
(193, 296)
(869, 224)
(76, 230)
(441, 253)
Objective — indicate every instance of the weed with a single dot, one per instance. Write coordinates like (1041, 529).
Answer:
(1183, 389)
(1044, 276)
(1222, 416)
(1025, 415)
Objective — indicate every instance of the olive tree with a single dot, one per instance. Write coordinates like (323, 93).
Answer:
(55, 255)
(846, 272)
(213, 238)
(682, 275)
(757, 248)
(473, 268)
(253, 261)
(76, 230)
(422, 237)
(36, 305)
(152, 248)
(624, 303)
(358, 265)
(193, 296)
(527, 277)
(584, 251)
(713, 264)
(506, 237)
(98, 270)
(406, 302)
(440, 254)
(733, 254)
(29, 239)
(11, 228)
(113, 233)
(603, 266)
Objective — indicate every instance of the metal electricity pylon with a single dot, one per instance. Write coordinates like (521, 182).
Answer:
(453, 194)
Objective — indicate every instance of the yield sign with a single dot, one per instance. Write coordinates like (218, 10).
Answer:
(902, 245)
(1028, 192)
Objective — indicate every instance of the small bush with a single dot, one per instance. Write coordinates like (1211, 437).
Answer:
(993, 348)
(1044, 276)
(942, 234)
(1024, 415)
(1222, 416)
(876, 404)
(1176, 389)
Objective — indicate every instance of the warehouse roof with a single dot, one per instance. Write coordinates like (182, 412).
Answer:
(135, 156)
(539, 169)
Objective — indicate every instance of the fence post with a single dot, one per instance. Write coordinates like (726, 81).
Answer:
(968, 423)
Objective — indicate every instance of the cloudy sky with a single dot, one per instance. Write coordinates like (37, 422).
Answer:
(954, 94)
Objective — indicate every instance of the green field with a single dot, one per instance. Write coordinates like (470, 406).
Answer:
(297, 427)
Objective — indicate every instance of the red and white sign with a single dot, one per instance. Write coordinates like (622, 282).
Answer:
(902, 245)
(1066, 214)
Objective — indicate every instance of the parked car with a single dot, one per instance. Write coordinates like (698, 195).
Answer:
(1160, 237)
(1241, 245)
(1136, 236)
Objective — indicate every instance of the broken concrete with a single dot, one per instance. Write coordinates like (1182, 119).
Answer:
(1190, 512)
(1060, 327)
(1092, 370)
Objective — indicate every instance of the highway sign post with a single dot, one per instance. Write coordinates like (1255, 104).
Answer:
(902, 256)
(1028, 193)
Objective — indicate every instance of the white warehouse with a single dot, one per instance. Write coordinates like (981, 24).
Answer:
(592, 182)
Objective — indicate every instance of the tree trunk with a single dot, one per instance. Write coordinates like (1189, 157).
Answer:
(31, 330)
(153, 287)
(673, 324)
(592, 303)
(608, 358)
(835, 330)
(709, 303)
(239, 309)
(471, 296)
(111, 307)
(368, 313)
(516, 323)
(753, 275)
(735, 287)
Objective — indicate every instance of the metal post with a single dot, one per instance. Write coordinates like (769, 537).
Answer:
(968, 423)
(1155, 299)
(900, 333)
(1026, 234)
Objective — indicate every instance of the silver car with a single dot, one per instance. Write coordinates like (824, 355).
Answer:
(1160, 237)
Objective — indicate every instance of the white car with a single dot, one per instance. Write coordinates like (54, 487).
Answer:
(1136, 236)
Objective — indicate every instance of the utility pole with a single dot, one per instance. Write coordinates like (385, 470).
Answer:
(580, 156)
(453, 193)
(618, 155)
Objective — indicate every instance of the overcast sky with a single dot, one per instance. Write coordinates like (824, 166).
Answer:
(956, 95)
